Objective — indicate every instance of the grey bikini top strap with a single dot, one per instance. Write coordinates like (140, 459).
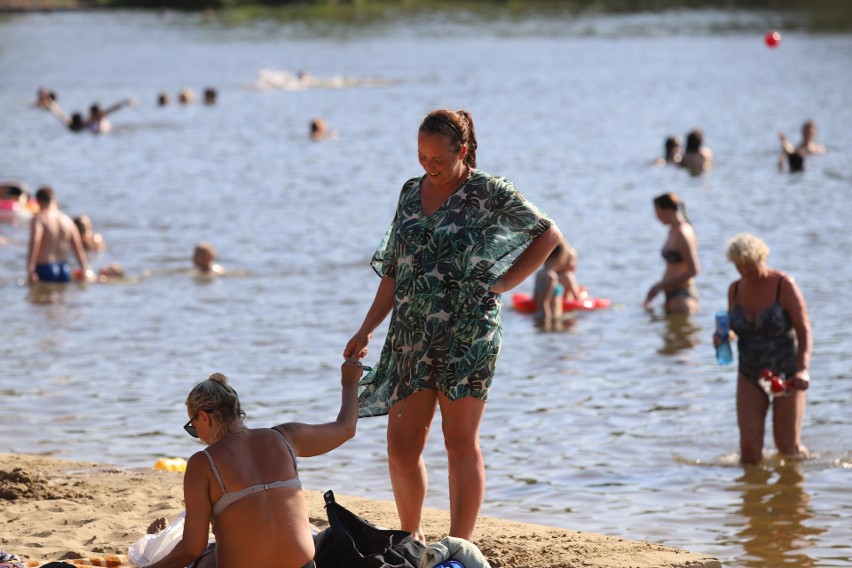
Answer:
(215, 470)
(292, 453)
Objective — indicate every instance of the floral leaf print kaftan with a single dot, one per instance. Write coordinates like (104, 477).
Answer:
(444, 331)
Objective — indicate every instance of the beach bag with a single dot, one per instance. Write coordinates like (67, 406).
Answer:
(352, 542)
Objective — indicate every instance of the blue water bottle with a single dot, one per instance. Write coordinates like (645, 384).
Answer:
(450, 564)
(724, 356)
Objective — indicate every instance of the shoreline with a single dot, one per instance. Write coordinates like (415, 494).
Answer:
(24, 6)
(53, 509)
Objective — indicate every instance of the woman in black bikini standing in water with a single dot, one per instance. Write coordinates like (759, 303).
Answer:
(681, 256)
(770, 320)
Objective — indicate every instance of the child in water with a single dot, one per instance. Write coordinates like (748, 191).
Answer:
(549, 290)
(571, 289)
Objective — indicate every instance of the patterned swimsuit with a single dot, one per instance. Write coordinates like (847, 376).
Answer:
(444, 331)
(768, 342)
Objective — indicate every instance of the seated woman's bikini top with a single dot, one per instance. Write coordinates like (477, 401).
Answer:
(672, 255)
(228, 498)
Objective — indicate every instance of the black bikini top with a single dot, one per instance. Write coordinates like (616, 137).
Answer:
(672, 255)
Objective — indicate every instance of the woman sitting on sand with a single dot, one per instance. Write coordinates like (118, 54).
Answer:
(246, 482)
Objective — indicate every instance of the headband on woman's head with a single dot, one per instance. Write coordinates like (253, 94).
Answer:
(450, 124)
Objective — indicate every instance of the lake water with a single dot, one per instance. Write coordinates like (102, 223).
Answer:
(622, 424)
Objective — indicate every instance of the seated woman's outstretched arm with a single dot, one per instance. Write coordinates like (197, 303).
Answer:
(315, 439)
(196, 528)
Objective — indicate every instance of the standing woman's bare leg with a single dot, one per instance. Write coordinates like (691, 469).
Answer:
(408, 429)
(787, 416)
(460, 422)
(752, 405)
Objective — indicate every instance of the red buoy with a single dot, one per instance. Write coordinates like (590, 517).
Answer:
(772, 38)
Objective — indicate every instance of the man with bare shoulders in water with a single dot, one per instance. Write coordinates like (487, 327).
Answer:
(52, 234)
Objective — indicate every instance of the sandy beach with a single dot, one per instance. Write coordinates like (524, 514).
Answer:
(53, 510)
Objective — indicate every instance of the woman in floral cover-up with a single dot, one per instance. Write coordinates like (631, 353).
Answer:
(459, 239)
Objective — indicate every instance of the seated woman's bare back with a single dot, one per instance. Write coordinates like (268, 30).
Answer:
(268, 527)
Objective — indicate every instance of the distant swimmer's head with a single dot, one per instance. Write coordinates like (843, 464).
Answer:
(694, 140)
(163, 99)
(210, 96)
(95, 111)
(319, 128)
(672, 148)
(77, 123)
(809, 130)
(186, 96)
(204, 256)
(44, 97)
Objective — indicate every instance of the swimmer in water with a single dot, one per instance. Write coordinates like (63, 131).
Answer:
(204, 259)
(96, 121)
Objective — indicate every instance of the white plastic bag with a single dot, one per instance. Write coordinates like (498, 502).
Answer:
(153, 547)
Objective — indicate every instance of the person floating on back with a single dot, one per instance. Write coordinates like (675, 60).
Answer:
(96, 121)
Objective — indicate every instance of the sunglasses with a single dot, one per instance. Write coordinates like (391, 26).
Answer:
(190, 429)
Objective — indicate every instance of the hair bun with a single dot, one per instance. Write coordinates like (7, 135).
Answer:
(219, 378)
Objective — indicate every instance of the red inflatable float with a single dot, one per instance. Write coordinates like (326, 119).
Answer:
(13, 211)
(524, 303)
